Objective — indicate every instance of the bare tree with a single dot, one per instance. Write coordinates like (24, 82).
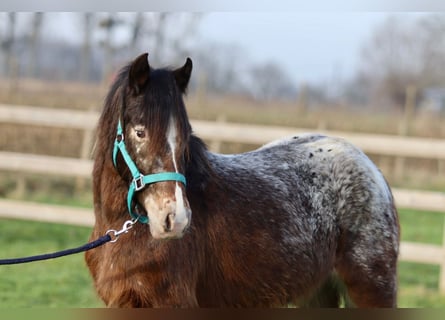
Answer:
(7, 45)
(389, 62)
(109, 24)
(180, 42)
(431, 33)
(159, 34)
(85, 60)
(226, 69)
(270, 82)
(167, 35)
(136, 33)
(402, 54)
(223, 67)
(34, 43)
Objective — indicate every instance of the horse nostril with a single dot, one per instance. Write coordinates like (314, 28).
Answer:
(169, 221)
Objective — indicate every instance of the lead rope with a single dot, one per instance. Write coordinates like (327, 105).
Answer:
(110, 236)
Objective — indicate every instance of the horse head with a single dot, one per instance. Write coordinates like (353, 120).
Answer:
(151, 141)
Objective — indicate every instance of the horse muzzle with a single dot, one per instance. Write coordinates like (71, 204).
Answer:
(169, 220)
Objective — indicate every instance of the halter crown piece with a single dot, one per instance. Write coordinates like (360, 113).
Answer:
(139, 180)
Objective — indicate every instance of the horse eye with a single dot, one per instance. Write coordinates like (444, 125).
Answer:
(140, 133)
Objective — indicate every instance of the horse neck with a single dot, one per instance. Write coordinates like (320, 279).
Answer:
(199, 171)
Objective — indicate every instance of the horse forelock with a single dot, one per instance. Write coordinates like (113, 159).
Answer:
(160, 102)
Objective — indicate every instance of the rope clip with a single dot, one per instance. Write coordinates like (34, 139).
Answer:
(127, 226)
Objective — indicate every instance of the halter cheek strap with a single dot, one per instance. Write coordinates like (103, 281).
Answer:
(139, 180)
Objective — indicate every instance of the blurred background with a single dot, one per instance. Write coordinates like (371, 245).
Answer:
(374, 77)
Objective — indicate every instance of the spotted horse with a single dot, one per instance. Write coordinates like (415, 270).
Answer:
(306, 221)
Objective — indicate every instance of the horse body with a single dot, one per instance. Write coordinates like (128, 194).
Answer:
(290, 223)
(281, 244)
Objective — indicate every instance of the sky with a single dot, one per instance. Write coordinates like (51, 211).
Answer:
(312, 47)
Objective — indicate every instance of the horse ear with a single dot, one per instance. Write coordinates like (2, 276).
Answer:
(182, 75)
(139, 73)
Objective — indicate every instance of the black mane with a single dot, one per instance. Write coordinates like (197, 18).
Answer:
(198, 168)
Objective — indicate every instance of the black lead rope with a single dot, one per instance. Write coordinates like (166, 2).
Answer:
(91, 245)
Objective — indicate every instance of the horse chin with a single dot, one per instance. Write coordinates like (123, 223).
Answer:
(166, 235)
(160, 234)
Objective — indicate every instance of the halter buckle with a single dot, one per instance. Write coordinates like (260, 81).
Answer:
(139, 183)
(119, 137)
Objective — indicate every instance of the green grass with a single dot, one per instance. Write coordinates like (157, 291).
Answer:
(418, 283)
(422, 226)
(65, 282)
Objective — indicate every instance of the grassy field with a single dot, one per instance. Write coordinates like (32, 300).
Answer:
(62, 282)
(65, 282)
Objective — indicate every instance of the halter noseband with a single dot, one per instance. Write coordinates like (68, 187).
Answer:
(139, 180)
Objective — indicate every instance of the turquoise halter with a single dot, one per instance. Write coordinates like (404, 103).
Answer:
(139, 180)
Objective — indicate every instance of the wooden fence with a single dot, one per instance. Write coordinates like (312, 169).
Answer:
(213, 131)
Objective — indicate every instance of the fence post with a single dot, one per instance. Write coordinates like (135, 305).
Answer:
(20, 186)
(408, 112)
(201, 90)
(441, 168)
(302, 98)
(215, 145)
(85, 153)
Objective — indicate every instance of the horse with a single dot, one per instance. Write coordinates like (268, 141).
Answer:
(303, 221)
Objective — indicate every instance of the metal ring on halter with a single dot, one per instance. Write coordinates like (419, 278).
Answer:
(127, 226)
(120, 137)
(139, 183)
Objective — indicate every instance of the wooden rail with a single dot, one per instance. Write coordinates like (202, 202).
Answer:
(14, 209)
(61, 166)
(213, 131)
(19, 162)
(391, 145)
